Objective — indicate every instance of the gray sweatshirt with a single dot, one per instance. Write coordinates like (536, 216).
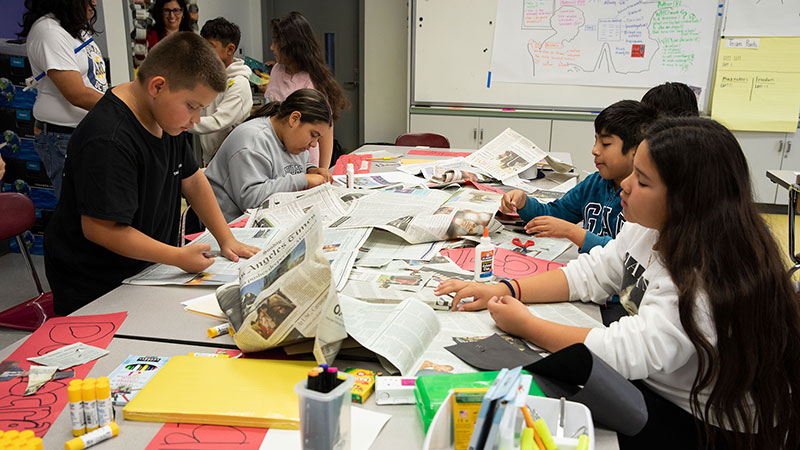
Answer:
(251, 165)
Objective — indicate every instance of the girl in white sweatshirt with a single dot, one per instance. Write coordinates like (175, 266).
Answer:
(713, 330)
(268, 153)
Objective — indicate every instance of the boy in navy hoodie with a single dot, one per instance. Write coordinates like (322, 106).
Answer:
(618, 130)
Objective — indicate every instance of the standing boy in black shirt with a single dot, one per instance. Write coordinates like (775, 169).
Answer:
(128, 163)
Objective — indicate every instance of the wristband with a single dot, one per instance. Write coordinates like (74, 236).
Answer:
(510, 288)
(519, 289)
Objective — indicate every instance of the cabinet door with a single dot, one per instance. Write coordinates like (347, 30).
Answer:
(576, 138)
(461, 131)
(790, 161)
(537, 130)
(764, 151)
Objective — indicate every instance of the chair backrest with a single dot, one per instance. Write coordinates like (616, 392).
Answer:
(17, 214)
(426, 139)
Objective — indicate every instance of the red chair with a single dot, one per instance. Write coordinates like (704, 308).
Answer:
(422, 139)
(17, 215)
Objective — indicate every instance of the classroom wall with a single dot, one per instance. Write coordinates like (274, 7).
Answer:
(385, 70)
(244, 13)
(113, 41)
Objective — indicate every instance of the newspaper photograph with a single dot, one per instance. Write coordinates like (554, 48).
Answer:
(286, 294)
(220, 272)
(400, 333)
(509, 154)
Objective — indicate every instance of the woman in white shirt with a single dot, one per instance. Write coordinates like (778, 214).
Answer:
(60, 46)
(713, 330)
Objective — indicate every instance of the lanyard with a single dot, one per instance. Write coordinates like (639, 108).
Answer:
(31, 82)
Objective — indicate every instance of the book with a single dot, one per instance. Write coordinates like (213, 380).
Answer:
(132, 375)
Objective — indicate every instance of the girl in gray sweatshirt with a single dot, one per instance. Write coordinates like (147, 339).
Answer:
(269, 153)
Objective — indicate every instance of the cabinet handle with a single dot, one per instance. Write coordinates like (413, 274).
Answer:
(475, 134)
(481, 134)
(788, 149)
(780, 146)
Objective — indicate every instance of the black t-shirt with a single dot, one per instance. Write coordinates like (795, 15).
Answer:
(117, 171)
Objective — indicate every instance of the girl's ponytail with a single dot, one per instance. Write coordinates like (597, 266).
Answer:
(310, 103)
(268, 110)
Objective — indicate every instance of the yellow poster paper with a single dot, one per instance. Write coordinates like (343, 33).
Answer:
(757, 84)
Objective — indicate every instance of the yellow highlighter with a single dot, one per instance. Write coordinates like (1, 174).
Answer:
(527, 442)
(583, 442)
(541, 429)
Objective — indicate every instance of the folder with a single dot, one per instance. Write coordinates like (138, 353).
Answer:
(222, 391)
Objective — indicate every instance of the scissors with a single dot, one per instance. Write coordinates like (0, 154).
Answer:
(522, 247)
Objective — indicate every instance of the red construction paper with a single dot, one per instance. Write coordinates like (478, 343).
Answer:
(423, 152)
(183, 436)
(507, 264)
(486, 188)
(38, 412)
(356, 160)
(239, 224)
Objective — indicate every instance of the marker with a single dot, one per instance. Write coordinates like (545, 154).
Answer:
(219, 330)
(541, 429)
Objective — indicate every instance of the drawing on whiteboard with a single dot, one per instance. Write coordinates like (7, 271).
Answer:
(603, 42)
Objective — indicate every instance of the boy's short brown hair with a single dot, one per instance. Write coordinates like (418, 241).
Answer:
(184, 59)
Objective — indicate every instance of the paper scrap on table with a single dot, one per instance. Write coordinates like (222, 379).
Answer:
(507, 263)
(364, 428)
(70, 355)
(38, 376)
(447, 154)
(206, 305)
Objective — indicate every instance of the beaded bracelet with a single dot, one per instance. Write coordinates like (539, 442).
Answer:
(510, 288)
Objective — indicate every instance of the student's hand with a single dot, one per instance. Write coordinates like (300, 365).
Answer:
(548, 226)
(234, 249)
(480, 293)
(513, 201)
(2, 168)
(511, 315)
(315, 180)
(322, 171)
(192, 258)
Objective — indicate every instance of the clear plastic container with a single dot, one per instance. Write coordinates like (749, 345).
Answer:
(325, 418)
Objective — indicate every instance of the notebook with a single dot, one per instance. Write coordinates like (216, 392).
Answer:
(222, 391)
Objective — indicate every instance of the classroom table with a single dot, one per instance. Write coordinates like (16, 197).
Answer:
(788, 180)
(157, 324)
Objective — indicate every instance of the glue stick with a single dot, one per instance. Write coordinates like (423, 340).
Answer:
(89, 404)
(484, 258)
(219, 330)
(351, 173)
(105, 410)
(92, 438)
(74, 392)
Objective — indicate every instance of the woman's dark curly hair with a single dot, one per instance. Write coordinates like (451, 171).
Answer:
(158, 17)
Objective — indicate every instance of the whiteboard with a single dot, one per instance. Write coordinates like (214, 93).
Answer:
(777, 18)
(452, 44)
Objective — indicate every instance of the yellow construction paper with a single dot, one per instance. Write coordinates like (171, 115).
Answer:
(406, 161)
(757, 84)
(222, 391)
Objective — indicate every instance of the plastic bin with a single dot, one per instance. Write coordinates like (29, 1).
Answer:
(440, 433)
(325, 418)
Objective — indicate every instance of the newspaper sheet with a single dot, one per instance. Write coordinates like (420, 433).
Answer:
(284, 210)
(400, 333)
(507, 155)
(384, 245)
(220, 272)
(542, 247)
(341, 249)
(379, 180)
(385, 285)
(454, 170)
(286, 294)
(415, 218)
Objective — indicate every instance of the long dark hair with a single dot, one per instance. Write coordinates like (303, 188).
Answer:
(71, 15)
(302, 51)
(715, 242)
(310, 103)
(158, 17)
